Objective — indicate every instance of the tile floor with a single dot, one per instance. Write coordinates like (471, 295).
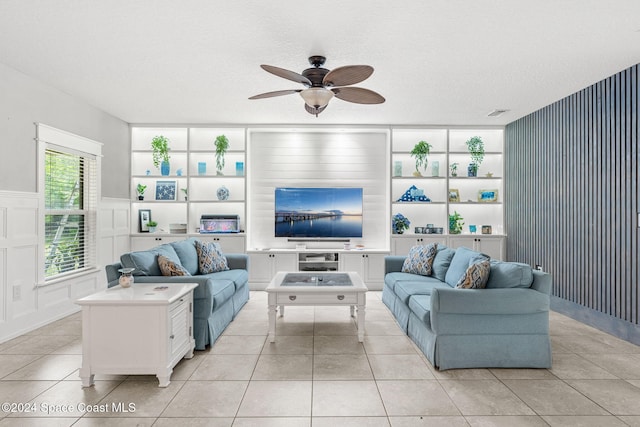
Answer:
(317, 374)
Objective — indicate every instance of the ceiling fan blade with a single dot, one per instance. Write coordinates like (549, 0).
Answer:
(286, 74)
(313, 110)
(275, 93)
(347, 75)
(358, 95)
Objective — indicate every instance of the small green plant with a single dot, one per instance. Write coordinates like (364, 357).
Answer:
(140, 189)
(454, 169)
(222, 145)
(160, 147)
(186, 192)
(152, 224)
(420, 151)
(455, 223)
(476, 149)
(399, 223)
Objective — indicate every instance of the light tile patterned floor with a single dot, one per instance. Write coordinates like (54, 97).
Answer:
(317, 374)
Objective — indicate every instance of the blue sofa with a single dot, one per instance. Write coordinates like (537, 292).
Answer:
(218, 297)
(505, 325)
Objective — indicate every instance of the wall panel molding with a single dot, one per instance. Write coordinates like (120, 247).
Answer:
(572, 201)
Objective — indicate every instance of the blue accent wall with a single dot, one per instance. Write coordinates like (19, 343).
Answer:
(572, 201)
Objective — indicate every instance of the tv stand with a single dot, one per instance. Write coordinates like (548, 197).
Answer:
(318, 261)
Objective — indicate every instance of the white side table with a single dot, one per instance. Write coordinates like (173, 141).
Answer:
(144, 329)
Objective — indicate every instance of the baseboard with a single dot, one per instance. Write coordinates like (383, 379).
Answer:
(604, 322)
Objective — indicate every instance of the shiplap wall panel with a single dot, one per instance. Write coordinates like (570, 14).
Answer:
(318, 159)
(572, 199)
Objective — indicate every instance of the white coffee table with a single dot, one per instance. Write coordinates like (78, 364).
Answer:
(144, 329)
(316, 288)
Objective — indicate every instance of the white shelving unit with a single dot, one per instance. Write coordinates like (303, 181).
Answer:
(438, 185)
(193, 168)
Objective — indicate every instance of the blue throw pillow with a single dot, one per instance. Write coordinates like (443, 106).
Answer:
(186, 250)
(146, 262)
(210, 258)
(510, 275)
(420, 259)
(441, 262)
(462, 259)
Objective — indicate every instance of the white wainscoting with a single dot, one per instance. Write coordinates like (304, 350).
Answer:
(24, 306)
(317, 158)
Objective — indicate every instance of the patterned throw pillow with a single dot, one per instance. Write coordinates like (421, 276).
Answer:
(476, 276)
(171, 268)
(210, 258)
(420, 259)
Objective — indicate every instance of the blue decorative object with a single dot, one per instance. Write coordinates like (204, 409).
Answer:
(165, 190)
(165, 168)
(472, 169)
(239, 168)
(148, 172)
(179, 172)
(222, 193)
(414, 194)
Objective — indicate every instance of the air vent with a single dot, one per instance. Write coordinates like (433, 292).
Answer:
(496, 113)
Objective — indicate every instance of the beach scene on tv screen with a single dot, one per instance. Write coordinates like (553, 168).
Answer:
(318, 212)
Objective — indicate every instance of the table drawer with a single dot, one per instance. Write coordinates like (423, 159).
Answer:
(317, 298)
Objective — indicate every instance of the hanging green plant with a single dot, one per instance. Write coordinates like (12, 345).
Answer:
(222, 145)
(420, 151)
(476, 149)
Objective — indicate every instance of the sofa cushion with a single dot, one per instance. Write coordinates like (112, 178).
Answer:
(220, 291)
(476, 276)
(391, 279)
(186, 250)
(420, 305)
(210, 258)
(462, 259)
(238, 277)
(441, 262)
(146, 262)
(405, 290)
(510, 275)
(420, 259)
(171, 268)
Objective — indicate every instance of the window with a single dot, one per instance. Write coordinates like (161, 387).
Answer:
(69, 191)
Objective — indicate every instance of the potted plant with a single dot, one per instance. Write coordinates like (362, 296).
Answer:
(476, 149)
(160, 147)
(454, 169)
(222, 145)
(152, 226)
(140, 189)
(399, 223)
(186, 193)
(455, 223)
(420, 151)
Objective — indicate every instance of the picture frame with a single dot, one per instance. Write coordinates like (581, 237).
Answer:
(144, 216)
(488, 196)
(454, 195)
(166, 190)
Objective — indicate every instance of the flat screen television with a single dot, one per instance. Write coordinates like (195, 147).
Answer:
(318, 212)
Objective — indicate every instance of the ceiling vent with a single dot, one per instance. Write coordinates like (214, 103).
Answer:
(496, 113)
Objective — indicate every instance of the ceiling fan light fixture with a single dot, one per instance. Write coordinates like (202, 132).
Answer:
(316, 97)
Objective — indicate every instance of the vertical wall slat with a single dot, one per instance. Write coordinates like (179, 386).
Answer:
(573, 195)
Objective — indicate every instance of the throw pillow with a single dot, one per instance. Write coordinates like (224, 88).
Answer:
(420, 259)
(171, 268)
(476, 276)
(210, 258)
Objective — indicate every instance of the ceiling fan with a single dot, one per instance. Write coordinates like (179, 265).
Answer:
(322, 84)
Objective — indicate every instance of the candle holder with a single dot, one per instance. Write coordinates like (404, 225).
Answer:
(126, 277)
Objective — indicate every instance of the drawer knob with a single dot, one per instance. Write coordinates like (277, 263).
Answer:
(292, 297)
(172, 336)
(340, 297)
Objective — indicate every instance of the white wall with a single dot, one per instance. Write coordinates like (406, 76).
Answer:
(317, 158)
(24, 101)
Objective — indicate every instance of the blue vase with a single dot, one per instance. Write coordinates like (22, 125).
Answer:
(472, 169)
(165, 168)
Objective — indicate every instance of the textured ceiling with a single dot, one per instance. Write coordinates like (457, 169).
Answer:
(436, 62)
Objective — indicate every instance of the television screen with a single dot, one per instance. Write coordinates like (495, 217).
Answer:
(318, 212)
